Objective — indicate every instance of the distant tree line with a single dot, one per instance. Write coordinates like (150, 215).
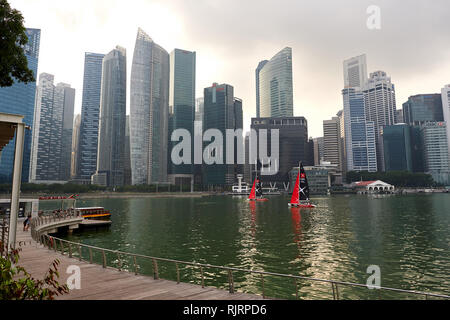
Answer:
(72, 188)
(404, 179)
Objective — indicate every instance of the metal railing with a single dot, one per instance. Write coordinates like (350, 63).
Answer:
(4, 228)
(334, 286)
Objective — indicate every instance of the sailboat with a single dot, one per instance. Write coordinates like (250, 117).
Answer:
(256, 193)
(300, 195)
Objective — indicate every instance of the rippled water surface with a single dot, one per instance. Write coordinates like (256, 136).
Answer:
(408, 237)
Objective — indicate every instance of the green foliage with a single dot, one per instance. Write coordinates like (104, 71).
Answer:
(13, 62)
(17, 284)
(403, 179)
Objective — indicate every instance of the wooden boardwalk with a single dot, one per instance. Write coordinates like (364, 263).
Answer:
(98, 283)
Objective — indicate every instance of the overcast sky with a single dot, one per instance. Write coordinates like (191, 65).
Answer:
(231, 37)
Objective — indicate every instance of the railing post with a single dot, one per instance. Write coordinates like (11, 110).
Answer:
(337, 291)
(230, 281)
(296, 289)
(62, 246)
(104, 258)
(135, 265)
(70, 250)
(155, 269)
(119, 261)
(178, 272)
(262, 283)
(79, 251)
(203, 280)
(90, 255)
(332, 286)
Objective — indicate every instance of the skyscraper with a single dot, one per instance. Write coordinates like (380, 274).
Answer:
(318, 150)
(261, 64)
(446, 111)
(379, 102)
(149, 111)
(355, 72)
(435, 147)
(423, 108)
(52, 131)
(75, 146)
(20, 99)
(181, 107)
(90, 109)
(397, 148)
(112, 120)
(275, 86)
(332, 142)
(222, 111)
(127, 165)
(359, 133)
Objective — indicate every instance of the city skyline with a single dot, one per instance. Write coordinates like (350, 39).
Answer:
(315, 65)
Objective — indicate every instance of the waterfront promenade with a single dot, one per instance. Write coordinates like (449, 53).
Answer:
(98, 283)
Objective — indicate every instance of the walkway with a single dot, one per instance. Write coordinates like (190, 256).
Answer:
(98, 283)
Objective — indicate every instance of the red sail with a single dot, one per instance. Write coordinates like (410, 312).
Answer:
(295, 199)
(253, 192)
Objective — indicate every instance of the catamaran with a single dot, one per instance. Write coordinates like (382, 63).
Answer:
(300, 195)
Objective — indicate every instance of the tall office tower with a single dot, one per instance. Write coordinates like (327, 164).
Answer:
(149, 111)
(446, 111)
(20, 99)
(181, 110)
(222, 111)
(332, 142)
(52, 134)
(112, 120)
(435, 146)
(359, 133)
(318, 150)
(355, 72)
(198, 130)
(261, 64)
(75, 146)
(127, 165)
(397, 148)
(399, 116)
(343, 151)
(275, 86)
(90, 110)
(379, 101)
(423, 108)
(248, 167)
(294, 146)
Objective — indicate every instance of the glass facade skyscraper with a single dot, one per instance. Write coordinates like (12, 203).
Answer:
(149, 111)
(355, 72)
(397, 148)
(423, 108)
(20, 99)
(261, 64)
(445, 93)
(275, 86)
(181, 105)
(52, 131)
(112, 120)
(359, 133)
(90, 107)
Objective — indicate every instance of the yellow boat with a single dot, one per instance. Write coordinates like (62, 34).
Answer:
(94, 213)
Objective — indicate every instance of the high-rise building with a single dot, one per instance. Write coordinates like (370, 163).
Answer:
(397, 148)
(90, 109)
(294, 146)
(355, 72)
(435, 147)
(149, 111)
(198, 130)
(261, 64)
(20, 99)
(343, 151)
(181, 109)
(399, 116)
(423, 108)
(112, 120)
(332, 142)
(318, 150)
(75, 146)
(222, 111)
(127, 165)
(52, 131)
(275, 86)
(379, 101)
(446, 111)
(359, 133)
